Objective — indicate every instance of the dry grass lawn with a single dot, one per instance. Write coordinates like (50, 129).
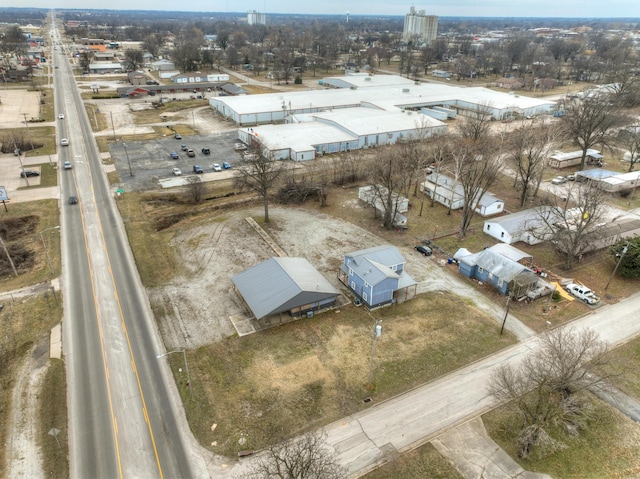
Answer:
(303, 374)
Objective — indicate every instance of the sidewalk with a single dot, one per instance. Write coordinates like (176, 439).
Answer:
(477, 456)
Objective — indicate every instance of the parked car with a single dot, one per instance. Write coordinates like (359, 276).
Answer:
(178, 136)
(64, 142)
(61, 116)
(73, 200)
(206, 151)
(28, 173)
(176, 172)
(424, 250)
(216, 167)
(558, 180)
(250, 156)
(197, 169)
(191, 153)
(582, 292)
(67, 165)
(184, 147)
(174, 155)
(239, 146)
(571, 177)
(226, 165)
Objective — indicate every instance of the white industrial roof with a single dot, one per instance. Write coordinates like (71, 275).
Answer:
(365, 80)
(369, 121)
(300, 136)
(384, 97)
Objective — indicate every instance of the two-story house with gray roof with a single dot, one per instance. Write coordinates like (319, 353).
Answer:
(374, 275)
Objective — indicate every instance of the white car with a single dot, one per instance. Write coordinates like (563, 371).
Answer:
(558, 180)
(176, 172)
(239, 146)
(216, 167)
(61, 116)
(67, 165)
(582, 292)
(64, 142)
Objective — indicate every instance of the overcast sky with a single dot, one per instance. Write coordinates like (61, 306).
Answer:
(444, 8)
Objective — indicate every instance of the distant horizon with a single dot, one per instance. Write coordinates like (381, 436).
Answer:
(542, 9)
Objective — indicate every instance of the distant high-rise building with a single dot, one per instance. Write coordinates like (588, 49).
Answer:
(256, 18)
(419, 27)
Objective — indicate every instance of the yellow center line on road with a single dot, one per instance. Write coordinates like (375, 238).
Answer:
(124, 328)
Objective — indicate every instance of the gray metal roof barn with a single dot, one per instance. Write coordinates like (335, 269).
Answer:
(280, 285)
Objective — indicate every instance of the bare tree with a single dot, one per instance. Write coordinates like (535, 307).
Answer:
(195, 188)
(390, 177)
(476, 163)
(438, 155)
(259, 173)
(133, 59)
(589, 122)
(629, 139)
(544, 389)
(573, 219)
(526, 148)
(476, 125)
(304, 457)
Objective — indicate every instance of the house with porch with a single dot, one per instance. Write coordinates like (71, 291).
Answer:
(502, 266)
(376, 276)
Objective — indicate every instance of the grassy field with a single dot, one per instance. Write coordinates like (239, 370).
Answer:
(422, 463)
(53, 415)
(43, 139)
(25, 322)
(608, 449)
(20, 227)
(272, 385)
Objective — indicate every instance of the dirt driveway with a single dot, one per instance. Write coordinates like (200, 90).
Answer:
(196, 307)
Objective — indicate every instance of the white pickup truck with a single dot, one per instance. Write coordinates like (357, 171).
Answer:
(582, 292)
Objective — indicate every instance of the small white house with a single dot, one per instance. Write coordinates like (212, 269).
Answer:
(372, 196)
(450, 193)
(530, 226)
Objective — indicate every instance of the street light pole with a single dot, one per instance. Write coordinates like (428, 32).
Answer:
(46, 251)
(26, 123)
(186, 366)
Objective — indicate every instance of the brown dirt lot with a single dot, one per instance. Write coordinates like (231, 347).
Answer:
(194, 308)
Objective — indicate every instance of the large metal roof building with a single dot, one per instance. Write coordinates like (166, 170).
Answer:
(279, 285)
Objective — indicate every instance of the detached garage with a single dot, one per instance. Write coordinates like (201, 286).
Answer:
(284, 285)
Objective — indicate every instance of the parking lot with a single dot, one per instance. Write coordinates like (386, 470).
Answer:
(151, 161)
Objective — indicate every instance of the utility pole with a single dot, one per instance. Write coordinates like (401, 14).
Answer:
(113, 126)
(506, 312)
(622, 253)
(128, 160)
(6, 251)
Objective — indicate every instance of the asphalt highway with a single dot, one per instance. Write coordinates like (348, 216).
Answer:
(124, 414)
